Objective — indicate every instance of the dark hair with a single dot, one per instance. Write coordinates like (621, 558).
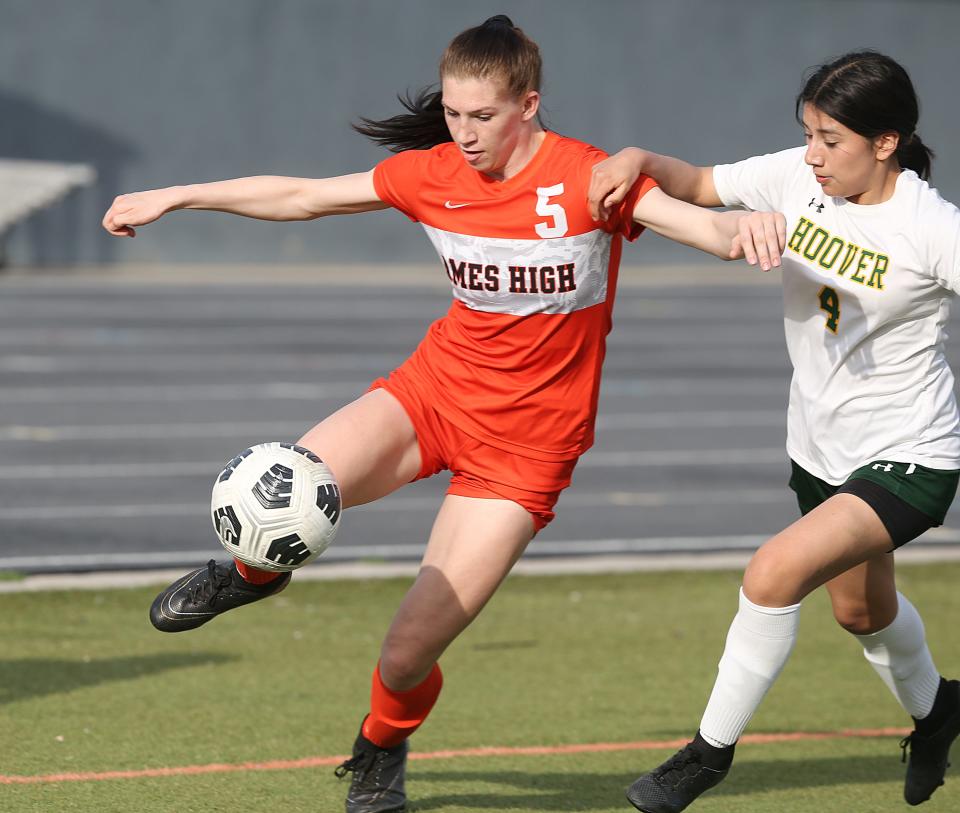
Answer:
(871, 94)
(496, 49)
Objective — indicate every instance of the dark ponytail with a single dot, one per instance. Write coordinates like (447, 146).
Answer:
(913, 154)
(423, 125)
(497, 49)
(871, 94)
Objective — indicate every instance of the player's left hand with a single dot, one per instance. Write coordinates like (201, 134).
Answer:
(760, 239)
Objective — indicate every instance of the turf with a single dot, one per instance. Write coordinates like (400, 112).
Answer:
(86, 685)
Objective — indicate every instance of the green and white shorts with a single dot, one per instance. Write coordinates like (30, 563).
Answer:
(908, 498)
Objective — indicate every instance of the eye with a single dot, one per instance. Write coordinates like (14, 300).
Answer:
(831, 143)
(484, 118)
(449, 113)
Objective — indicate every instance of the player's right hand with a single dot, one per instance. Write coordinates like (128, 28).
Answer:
(610, 181)
(136, 209)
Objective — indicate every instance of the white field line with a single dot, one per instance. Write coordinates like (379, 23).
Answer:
(299, 390)
(170, 431)
(164, 568)
(137, 393)
(197, 334)
(396, 503)
(307, 360)
(671, 457)
(209, 312)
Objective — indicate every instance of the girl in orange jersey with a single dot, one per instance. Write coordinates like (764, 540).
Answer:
(502, 391)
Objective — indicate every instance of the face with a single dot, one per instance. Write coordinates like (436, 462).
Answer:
(847, 164)
(486, 121)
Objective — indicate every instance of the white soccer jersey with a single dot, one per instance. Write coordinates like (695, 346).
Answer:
(866, 298)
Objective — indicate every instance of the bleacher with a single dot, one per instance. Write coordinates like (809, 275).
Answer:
(27, 186)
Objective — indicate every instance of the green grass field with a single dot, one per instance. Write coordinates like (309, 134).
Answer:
(86, 685)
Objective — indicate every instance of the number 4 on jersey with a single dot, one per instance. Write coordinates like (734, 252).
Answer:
(830, 304)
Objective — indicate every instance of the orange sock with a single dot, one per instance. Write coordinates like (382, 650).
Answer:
(254, 575)
(394, 716)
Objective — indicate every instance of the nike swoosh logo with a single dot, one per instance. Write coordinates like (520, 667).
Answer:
(450, 205)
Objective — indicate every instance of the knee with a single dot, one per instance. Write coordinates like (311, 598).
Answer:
(854, 617)
(768, 581)
(402, 664)
(860, 618)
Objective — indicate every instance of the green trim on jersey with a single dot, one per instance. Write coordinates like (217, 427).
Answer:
(930, 491)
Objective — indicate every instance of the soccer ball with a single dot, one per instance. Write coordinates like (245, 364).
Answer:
(276, 506)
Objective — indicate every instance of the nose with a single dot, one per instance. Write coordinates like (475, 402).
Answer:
(465, 135)
(812, 157)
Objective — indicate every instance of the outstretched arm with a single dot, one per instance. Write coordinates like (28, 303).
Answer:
(758, 237)
(613, 178)
(265, 197)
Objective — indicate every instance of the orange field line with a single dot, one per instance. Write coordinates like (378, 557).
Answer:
(493, 751)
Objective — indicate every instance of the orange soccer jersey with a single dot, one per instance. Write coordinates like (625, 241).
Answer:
(516, 361)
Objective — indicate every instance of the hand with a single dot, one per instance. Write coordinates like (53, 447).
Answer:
(137, 209)
(611, 180)
(761, 238)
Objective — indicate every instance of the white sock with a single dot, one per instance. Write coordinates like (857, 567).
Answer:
(758, 644)
(899, 654)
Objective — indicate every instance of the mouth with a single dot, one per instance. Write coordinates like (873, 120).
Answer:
(471, 156)
(822, 179)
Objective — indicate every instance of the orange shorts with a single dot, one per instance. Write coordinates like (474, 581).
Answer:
(479, 469)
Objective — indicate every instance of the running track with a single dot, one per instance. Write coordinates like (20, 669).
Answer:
(123, 392)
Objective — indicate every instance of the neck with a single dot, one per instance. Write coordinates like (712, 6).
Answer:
(527, 145)
(882, 186)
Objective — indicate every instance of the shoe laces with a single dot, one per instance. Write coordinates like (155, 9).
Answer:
(679, 766)
(904, 746)
(217, 578)
(359, 764)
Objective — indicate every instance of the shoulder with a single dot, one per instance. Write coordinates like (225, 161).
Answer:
(934, 219)
(410, 168)
(783, 161)
(573, 152)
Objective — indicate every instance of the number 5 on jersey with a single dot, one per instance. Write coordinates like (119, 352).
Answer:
(555, 211)
(830, 304)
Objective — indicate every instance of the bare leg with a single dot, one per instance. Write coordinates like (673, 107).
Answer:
(864, 598)
(473, 545)
(370, 446)
(841, 533)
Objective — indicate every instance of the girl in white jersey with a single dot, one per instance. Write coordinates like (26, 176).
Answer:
(871, 263)
(502, 391)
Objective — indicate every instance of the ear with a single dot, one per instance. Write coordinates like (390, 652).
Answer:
(530, 105)
(885, 145)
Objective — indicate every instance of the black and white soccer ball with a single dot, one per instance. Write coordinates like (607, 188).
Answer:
(276, 506)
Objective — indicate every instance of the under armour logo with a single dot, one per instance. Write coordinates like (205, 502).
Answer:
(883, 466)
(815, 205)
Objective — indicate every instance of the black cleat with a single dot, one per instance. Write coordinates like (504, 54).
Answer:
(681, 779)
(929, 753)
(378, 774)
(205, 593)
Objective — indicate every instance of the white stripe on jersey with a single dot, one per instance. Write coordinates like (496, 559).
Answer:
(523, 277)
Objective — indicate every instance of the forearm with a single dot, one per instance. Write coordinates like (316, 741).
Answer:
(265, 197)
(725, 227)
(705, 229)
(676, 177)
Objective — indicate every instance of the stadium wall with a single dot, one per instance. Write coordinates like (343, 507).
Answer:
(160, 93)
